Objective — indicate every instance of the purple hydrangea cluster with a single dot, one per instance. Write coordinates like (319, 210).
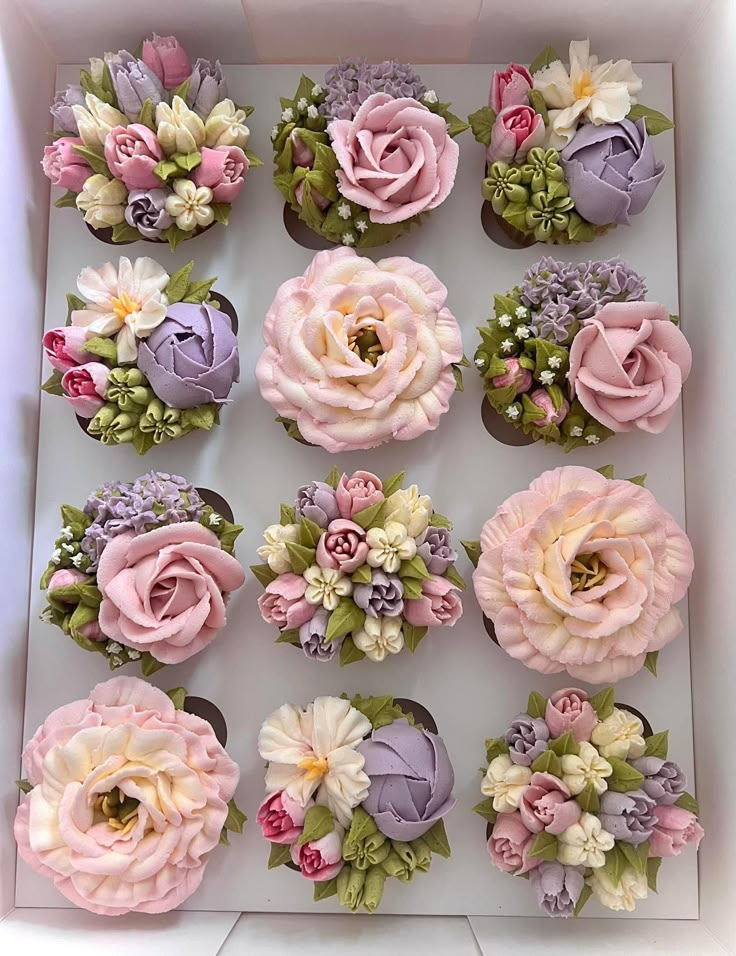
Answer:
(153, 499)
(351, 82)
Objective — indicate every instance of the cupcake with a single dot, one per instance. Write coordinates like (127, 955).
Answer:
(582, 800)
(143, 572)
(366, 153)
(356, 792)
(145, 357)
(358, 568)
(149, 147)
(569, 154)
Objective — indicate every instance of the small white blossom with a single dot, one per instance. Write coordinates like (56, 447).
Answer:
(592, 439)
(343, 210)
(112, 647)
(576, 431)
(520, 312)
(117, 662)
(274, 132)
(513, 412)
(77, 559)
(555, 361)
(547, 377)
(313, 112)
(66, 533)
(56, 556)
(215, 520)
(302, 103)
(507, 345)
(479, 362)
(522, 332)
(46, 616)
(287, 115)
(348, 239)
(69, 548)
(504, 320)
(361, 225)
(134, 655)
(430, 97)
(317, 90)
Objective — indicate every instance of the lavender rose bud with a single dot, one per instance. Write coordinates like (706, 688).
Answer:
(146, 211)
(434, 546)
(628, 816)
(383, 597)
(191, 358)
(134, 83)
(61, 108)
(207, 87)
(527, 739)
(411, 780)
(558, 887)
(317, 501)
(312, 637)
(664, 780)
(611, 171)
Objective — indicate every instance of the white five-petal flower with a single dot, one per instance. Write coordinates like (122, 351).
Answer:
(513, 412)
(326, 587)
(390, 546)
(506, 782)
(578, 770)
(576, 431)
(504, 320)
(592, 439)
(522, 332)
(547, 377)
(507, 345)
(554, 361)
(190, 205)
(585, 843)
(343, 210)
(274, 551)
(379, 636)
(620, 735)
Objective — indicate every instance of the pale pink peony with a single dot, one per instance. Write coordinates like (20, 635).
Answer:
(223, 170)
(597, 634)
(439, 604)
(165, 591)
(126, 735)
(132, 153)
(570, 710)
(283, 603)
(310, 373)
(396, 157)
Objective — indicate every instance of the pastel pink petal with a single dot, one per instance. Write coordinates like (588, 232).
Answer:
(84, 405)
(511, 637)
(565, 816)
(137, 173)
(608, 671)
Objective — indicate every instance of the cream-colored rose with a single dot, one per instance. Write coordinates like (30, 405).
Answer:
(631, 888)
(620, 735)
(190, 206)
(96, 121)
(578, 770)
(411, 509)
(274, 552)
(380, 636)
(179, 129)
(585, 843)
(506, 782)
(390, 546)
(225, 126)
(102, 201)
(326, 587)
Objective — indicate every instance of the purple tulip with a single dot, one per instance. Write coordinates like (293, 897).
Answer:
(383, 597)
(527, 739)
(146, 211)
(134, 83)
(318, 502)
(435, 548)
(664, 780)
(207, 87)
(558, 887)
(61, 108)
(628, 816)
(312, 637)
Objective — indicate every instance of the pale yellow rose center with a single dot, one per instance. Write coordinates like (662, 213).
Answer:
(587, 571)
(316, 767)
(365, 343)
(118, 809)
(123, 306)
(583, 87)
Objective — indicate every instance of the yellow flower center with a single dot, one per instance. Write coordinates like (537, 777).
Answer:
(123, 306)
(583, 87)
(120, 810)
(366, 344)
(316, 767)
(586, 571)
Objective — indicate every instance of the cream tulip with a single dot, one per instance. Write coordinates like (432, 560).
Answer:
(379, 637)
(179, 129)
(96, 121)
(225, 126)
(102, 201)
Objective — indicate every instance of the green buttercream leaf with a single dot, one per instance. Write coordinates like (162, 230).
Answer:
(635, 856)
(624, 777)
(168, 169)
(472, 549)
(333, 479)
(602, 703)
(181, 90)
(655, 121)
(452, 575)
(687, 801)
(289, 637)
(579, 229)
(412, 635)
(324, 889)
(566, 744)
(197, 292)
(485, 809)
(300, 557)
(347, 618)
(536, 101)
(317, 824)
(221, 211)
(287, 515)
(615, 864)
(657, 745)
(263, 574)
(544, 847)
(100, 90)
(412, 589)
(187, 161)
(640, 480)
(650, 662)
(536, 705)
(69, 199)
(414, 568)
(25, 785)
(102, 347)
(123, 232)
(653, 865)
(369, 517)
(547, 56)
(458, 376)
(495, 746)
(174, 236)
(481, 123)
(147, 116)
(279, 855)
(606, 471)
(94, 158)
(436, 840)
(589, 800)
(349, 653)
(177, 695)
(363, 575)
(381, 711)
(585, 895)
(149, 664)
(309, 532)
(254, 161)
(548, 762)
(52, 385)
(201, 416)
(440, 521)
(234, 821)
(178, 283)
(393, 483)
(71, 515)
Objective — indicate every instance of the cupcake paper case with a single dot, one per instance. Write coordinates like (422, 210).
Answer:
(149, 147)
(580, 573)
(575, 354)
(127, 795)
(569, 154)
(582, 803)
(143, 572)
(145, 357)
(356, 792)
(366, 153)
(358, 568)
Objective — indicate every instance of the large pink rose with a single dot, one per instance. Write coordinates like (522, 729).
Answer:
(517, 129)
(570, 709)
(439, 604)
(510, 87)
(283, 603)
(395, 157)
(65, 167)
(628, 365)
(176, 779)
(672, 832)
(165, 591)
(342, 547)
(547, 804)
(580, 573)
(320, 860)
(510, 843)
(223, 170)
(361, 490)
(131, 153)
(281, 818)
(85, 387)
(64, 347)
(359, 352)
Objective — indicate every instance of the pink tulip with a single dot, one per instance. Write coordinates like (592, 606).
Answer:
(360, 491)
(509, 844)
(674, 829)
(320, 860)
(223, 170)
(132, 153)
(546, 804)
(552, 416)
(85, 387)
(65, 167)
(283, 602)
(439, 604)
(517, 129)
(515, 375)
(510, 87)
(168, 60)
(569, 709)
(92, 631)
(64, 347)
(281, 818)
(342, 547)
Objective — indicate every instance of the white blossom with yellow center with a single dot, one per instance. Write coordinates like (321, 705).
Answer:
(620, 735)
(588, 766)
(389, 546)
(190, 206)
(506, 782)
(379, 637)
(326, 587)
(274, 552)
(585, 843)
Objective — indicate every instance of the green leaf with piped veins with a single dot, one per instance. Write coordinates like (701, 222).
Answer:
(414, 568)
(289, 637)
(536, 101)
(25, 785)
(124, 232)
(547, 56)
(655, 121)
(309, 533)
(221, 211)
(102, 347)
(687, 801)
(263, 574)
(412, 589)
(370, 517)
(95, 159)
(606, 471)
(602, 703)
(657, 745)
(379, 710)
(565, 744)
(147, 116)
(363, 575)
(536, 706)
(300, 557)
(317, 824)
(279, 855)
(149, 664)
(485, 809)
(288, 515)
(393, 483)
(333, 479)
(413, 635)
(635, 856)
(68, 200)
(187, 161)
(588, 800)
(324, 889)
(615, 864)
(548, 762)
(349, 653)
(347, 618)
(197, 292)
(178, 283)
(440, 521)
(452, 575)
(436, 840)
(624, 777)
(653, 865)
(181, 90)
(177, 695)
(640, 480)
(585, 895)
(481, 123)
(495, 746)
(52, 385)
(472, 549)
(650, 662)
(544, 847)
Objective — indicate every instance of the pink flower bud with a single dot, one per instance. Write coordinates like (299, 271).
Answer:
(64, 166)
(85, 387)
(515, 375)
(302, 155)
(320, 860)
(92, 631)
(510, 87)
(66, 577)
(64, 347)
(168, 60)
(281, 818)
(551, 417)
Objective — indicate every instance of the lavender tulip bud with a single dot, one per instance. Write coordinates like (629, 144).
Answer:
(527, 739)
(558, 887)
(383, 597)
(61, 108)
(312, 637)
(317, 501)
(134, 83)
(628, 816)
(435, 548)
(664, 780)
(207, 87)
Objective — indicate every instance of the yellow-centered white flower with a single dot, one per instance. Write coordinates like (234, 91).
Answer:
(506, 782)
(578, 770)
(379, 637)
(585, 843)
(389, 546)
(190, 205)
(102, 201)
(311, 753)
(620, 735)
(411, 509)
(225, 126)
(274, 552)
(96, 121)
(326, 587)
(631, 888)
(179, 129)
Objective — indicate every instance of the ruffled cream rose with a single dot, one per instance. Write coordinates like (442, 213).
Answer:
(102, 201)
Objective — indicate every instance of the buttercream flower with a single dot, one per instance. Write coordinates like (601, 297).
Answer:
(585, 843)
(223, 170)
(361, 490)
(620, 735)
(600, 93)
(674, 829)
(146, 211)
(312, 637)
(510, 87)
(61, 108)
(506, 782)
(274, 551)
(65, 167)
(379, 637)
(207, 86)
(629, 817)
(516, 375)
(225, 126)
(134, 83)
(663, 781)
(411, 509)
(390, 546)
(179, 129)
(127, 302)
(192, 357)
(509, 845)
(411, 780)
(85, 386)
(131, 153)
(342, 547)
(358, 353)
(318, 502)
(283, 602)
(320, 860)
(552, 415)
(66, 578)
(546, 804)
(580, 573)
(527, 739)
(628, 365)
(517, 129)
(302, 154)
(439, 604)
(167, 58)
(624, 895)
(95, 120)
(165, 591)
(396, 158)
(129, 798)
(434, 546)
(281, 818)
(102, 201)
(326, 586)
(570, 710)
(312, 753)
(383, 597)
(585, 767)
(557, 887)
(190, 206)
(63, 347)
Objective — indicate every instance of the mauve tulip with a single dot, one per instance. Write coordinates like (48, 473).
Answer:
(64, 166)
(85, 387)
(515, 375)
(510, 87)
(434, 547)
(527, 739)
(547, 804)
(317, 501)
(509, 844)
(439, 604)
(360, 491)
(517, 129)
(627, 816)
(558, 887)
(312, 637)
(134, 83)
(552, 415)
(342, 547)
(283, 603)
(64, 347)
(146, 211)
(61, 108)
(167, 59)
(664, 781)
(223, 169)
(281, 818)
(383, 597)
(207, 87)
(131, 153)
(674, 828)
(320, 860)
(569, 709)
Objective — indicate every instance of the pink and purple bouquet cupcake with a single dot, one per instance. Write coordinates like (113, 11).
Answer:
(145, 357)
(359, 352)
(143, 572)
(356, 792)
(568, 148)
(127, 794)
(575, 354)
(580, 573)
(359, 568)
(582, 800)
(366, 153)
(149, 147)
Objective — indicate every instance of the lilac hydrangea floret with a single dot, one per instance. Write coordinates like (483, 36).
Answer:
(351, 82)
